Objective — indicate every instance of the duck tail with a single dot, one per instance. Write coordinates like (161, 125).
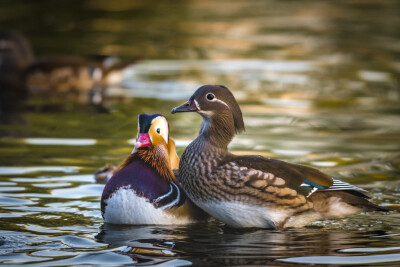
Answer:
(361, 200)
(336, 204)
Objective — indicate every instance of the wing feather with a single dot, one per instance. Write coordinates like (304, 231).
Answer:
(292, 174)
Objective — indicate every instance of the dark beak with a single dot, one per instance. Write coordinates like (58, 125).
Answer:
(189, 106)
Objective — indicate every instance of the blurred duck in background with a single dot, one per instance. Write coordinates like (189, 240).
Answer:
(104, 174)
(82, 79)
(15, 56)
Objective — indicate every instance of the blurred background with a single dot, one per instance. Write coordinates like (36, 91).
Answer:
(317, 81)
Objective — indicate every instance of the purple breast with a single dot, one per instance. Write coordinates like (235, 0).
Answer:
(140, 178)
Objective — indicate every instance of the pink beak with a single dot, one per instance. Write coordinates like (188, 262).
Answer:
(142, 140)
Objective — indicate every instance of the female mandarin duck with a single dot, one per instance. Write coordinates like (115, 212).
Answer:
(144, 190)
(253, 191)
(82, 79)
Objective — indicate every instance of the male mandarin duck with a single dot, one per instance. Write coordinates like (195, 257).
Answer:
(253, 191)
(145, 190)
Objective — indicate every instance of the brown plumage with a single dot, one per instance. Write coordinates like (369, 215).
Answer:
(253, 191)
(157, 159)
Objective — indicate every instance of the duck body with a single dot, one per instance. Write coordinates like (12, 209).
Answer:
(82, 79)
(136, 194)
(253, 191)
(144, 189)
(249, 191)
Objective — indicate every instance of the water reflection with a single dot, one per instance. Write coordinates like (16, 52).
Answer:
(317, 83)
(345, 260)
(226, 246)
(24, 170)
(60, 141)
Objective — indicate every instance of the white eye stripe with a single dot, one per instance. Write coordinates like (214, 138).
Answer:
(215, 99)
(220, 101)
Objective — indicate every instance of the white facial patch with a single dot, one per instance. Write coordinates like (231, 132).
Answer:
(197, 104)
(160, 125)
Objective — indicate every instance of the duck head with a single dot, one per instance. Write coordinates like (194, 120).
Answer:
(154, 146)
(153, 130)
(222, 117)
(154, 136)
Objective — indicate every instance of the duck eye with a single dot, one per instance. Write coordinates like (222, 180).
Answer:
(158, 130)
(210, 96)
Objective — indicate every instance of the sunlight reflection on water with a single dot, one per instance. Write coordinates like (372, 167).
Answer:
(60, 141)
(24, 170)
(314, 87)
(138, 83)
(369, 259)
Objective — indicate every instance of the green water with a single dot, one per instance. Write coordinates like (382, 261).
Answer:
(318, 84)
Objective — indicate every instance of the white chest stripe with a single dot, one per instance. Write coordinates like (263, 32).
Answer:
(171, 190)
(125, 207)
(176, 200)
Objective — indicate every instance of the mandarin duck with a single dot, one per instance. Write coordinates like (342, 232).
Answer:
(84, 79)
(15, 55)
(253, 191)
(144, 189)
(103, 174)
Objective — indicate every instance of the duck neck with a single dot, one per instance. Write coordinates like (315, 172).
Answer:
(218, 130)
(156, 158)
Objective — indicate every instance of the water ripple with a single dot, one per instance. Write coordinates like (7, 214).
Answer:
(350, 260)
(24, 170)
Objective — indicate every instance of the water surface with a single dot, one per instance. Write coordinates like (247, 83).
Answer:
(318, 84)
